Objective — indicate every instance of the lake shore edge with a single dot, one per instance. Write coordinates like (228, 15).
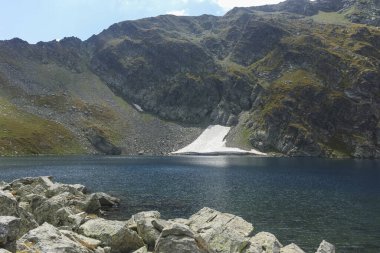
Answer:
(40, 215)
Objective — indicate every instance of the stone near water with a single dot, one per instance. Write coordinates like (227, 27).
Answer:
(47, 238)
(222, 232)
(178, 238)
(326, 247)
(115, 234)
(267, 241)
(68, 208)
(291, 248)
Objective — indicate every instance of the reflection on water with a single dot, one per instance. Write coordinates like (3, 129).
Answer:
(301, 200)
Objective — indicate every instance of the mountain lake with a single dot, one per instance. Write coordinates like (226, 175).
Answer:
(300, 200)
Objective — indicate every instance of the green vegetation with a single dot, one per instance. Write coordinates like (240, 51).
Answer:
(331, 18)
(338, 146)
(23, 133)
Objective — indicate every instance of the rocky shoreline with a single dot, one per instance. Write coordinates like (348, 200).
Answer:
(40, 215)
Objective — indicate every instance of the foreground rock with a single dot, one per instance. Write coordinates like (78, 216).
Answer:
(115, 234)
(9, 230)
(291, 248)
(47, 238)
(264, 242)
(10, 207)
(178, 238)
(143, 222)
(326, 247)
(220, 231)
(39, 215)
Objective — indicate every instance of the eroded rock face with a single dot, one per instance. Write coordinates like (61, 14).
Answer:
(221, 232)
(115, 234)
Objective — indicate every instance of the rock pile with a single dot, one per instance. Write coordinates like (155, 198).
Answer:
(39, 215)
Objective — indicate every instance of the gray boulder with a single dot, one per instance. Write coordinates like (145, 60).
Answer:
(178, 238)
(65, 217)
(9, 230)
(83, 240)
(90, 204)
(106, 200)
(142, 216)
(57, 188)
(57, 209)
(31, 185)
(148, 232)
(8, 205)
(291, 248)
(4, 251)
(161, 224)
(4, 186)
(253, 249)
(47, 238)
(326, 247)
(34, 201)
(28, 221)
(114, 234)
(46, 211)
(221, 232)
(45, 181)
(264, 242)
(145, 227)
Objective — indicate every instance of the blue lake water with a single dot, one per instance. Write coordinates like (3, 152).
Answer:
(300, 200)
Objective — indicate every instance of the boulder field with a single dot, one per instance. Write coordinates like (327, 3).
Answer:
(40, 215)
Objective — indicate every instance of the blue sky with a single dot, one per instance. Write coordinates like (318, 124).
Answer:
(46, 20)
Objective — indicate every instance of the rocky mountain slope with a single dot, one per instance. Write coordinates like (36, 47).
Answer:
(297, 78)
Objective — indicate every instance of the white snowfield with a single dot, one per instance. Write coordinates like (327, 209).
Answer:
(212, 141)
(138, 108)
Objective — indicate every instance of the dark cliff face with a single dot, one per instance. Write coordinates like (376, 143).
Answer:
(305, 87)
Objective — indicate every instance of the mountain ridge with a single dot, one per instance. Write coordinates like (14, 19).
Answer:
(291, 84)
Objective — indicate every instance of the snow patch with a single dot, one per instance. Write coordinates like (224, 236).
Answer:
(138, 108)
(212, 141)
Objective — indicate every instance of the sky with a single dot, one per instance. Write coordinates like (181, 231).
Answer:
(46, 20)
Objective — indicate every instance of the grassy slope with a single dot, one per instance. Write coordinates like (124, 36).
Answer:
(330, 18)
(24, 133)
(81, 103)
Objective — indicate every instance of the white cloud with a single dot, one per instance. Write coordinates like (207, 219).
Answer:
(229, 4)
(178, 12)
